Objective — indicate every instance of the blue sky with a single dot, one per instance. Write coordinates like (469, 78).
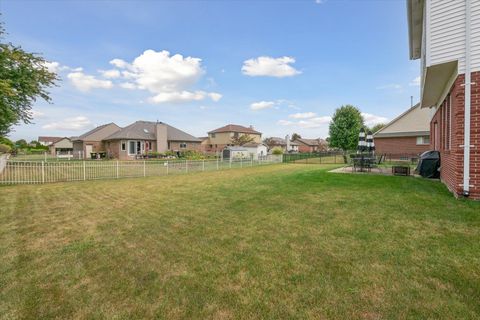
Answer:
(281, 66)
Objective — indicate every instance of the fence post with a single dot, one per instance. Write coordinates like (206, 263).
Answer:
(144, 173)
(84, 171)
(251, 161)
(217, 163)
(117, 169)
(186, 166)
(230, 163)
(45, 155)
(43, 171)
(203, 165)
(241, 162)
(167, 167)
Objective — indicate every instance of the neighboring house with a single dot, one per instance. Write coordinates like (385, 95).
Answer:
(61, 147)
(92, 141)
(256, 150)
(407, 134)
(46, 141)
(285, 144)
(445, 35)
(142, 137)
(222, 137)
(311, 145)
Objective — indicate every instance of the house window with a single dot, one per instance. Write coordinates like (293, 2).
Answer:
(124, 146)
(183, 145)
(422, 140)
(212, 135)
(235, 135)
(131, 147)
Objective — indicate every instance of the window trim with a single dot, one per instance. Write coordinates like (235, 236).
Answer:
(123, 146)
(422, 139)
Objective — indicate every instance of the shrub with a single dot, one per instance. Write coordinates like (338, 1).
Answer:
(6, 141)
(277, 151)
(5, 148)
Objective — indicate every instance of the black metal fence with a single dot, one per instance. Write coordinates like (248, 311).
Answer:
(327, 157)
(340, 157)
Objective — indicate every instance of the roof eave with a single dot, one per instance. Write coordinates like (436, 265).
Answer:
(415, 27)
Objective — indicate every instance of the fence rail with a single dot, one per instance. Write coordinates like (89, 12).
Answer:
(36, 172)
(338, 157)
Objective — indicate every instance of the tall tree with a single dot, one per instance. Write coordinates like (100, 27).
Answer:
(24, 77)
(345, 127)
(377, 127)
(296, 136)
(242, 139)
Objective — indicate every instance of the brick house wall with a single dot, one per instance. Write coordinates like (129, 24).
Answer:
(447, 133)
(303, 148)
(191, 145)
(399, 145)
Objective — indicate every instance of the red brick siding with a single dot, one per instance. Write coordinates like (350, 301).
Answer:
(175, 146)
(452, 156)
(399, 145)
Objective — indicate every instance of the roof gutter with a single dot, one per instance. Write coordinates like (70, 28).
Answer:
(468, 90)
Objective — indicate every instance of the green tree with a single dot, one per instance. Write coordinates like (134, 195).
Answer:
(22, 143)
(277, 151)
(377, 127)
(345, 127)
(296, 136)
(24, 78)
(241, 140)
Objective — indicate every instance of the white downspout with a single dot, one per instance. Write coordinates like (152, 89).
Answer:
(466, 139)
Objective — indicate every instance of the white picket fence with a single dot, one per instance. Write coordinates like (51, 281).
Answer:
(31, 172)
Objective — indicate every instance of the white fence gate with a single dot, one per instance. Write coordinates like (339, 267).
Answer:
(32, 172)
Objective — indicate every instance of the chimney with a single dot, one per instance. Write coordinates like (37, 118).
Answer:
(251, 127)
(161, 135)
(287, 141)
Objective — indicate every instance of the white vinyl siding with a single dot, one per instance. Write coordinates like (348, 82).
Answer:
(475, 35)
(445, 33)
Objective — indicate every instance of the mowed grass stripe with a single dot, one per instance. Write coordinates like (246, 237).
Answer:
(280, 241)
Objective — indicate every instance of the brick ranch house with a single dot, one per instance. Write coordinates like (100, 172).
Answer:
(445, 35)
(142, 137)
(286, 144)
(92, 141)
(406, 135)
(222, 137)
(311, 145)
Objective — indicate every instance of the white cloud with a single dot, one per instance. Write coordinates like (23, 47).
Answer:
(316, 122)
(270, 67)
(303, 115)
(52, 66)
(74, 124)
(415, 82)
(215, 96)
(36, 113)
(168, 77)
(371, 119)
(394, 86)
(110, 74)
(128, 85)
(319, 1)
(262, 105)
(284, 122)
(183, 96)
(119, 63)
(85, 82)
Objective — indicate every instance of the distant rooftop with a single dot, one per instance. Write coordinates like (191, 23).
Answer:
(235, 128)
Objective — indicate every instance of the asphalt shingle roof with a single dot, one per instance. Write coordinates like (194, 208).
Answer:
(235, 128)
(146, 130)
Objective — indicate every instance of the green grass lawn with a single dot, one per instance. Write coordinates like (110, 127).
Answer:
(275, 242)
